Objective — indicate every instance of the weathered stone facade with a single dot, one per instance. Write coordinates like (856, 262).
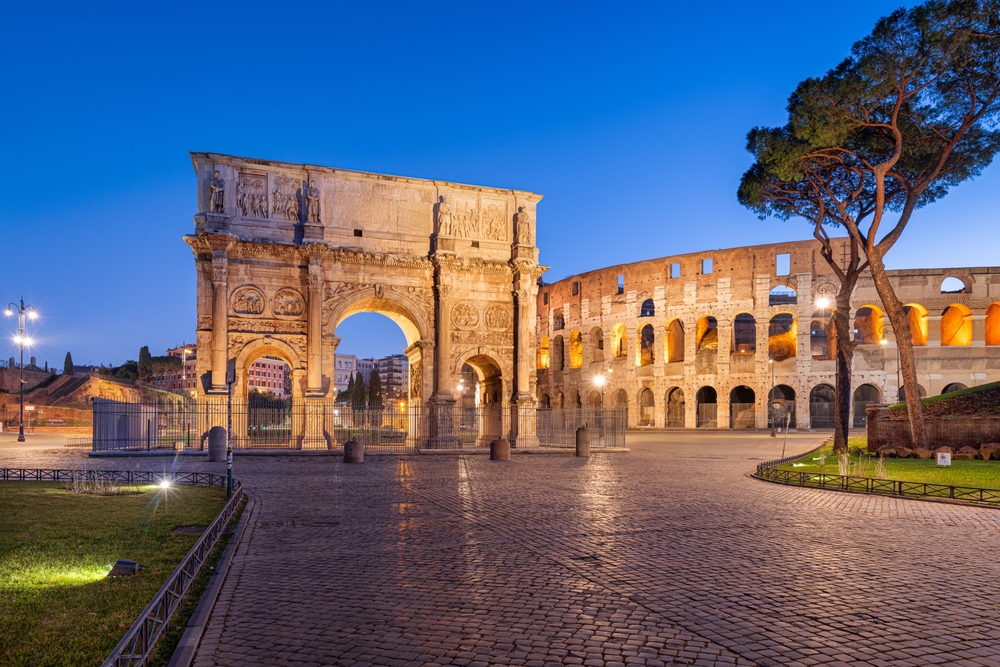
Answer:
(285, 252)
(647, 330)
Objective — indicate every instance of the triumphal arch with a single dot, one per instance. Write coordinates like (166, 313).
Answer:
(285, 252)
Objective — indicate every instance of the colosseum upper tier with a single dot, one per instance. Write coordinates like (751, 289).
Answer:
(699, 340)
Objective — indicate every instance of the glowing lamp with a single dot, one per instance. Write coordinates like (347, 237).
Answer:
(823, 303)
(599, 380)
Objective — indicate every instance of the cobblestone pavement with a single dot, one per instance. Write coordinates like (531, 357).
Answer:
(667, 555)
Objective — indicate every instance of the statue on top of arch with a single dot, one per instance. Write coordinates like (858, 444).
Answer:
(523, 223)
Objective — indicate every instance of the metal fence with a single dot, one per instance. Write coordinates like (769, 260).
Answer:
(742, 415)
(881, 486)
(136, 646)
(183, 424)
(822, 414)
(707, 413)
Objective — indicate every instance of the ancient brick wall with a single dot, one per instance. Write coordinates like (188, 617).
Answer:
(671, 335)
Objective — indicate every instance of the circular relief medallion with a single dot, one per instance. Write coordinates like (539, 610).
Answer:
(464, 315)
(287, 303)
(248, 301)
(497, 317)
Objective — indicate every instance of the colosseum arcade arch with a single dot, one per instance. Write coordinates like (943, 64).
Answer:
(285, 252)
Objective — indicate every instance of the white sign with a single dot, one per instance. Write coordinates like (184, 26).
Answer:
(943, 459)
(29, 407)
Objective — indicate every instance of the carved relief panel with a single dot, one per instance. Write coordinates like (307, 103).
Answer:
(464, 315)
(497, 317)
(465, 219)
(286, 198)
(495, 221)
(247, 301)
(251, 195)
(287, 303)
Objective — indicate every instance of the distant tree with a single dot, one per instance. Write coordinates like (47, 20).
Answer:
(909, 114)
(350, 388)
(360, 396)
(145, 370)
(374, 390)
(158, 365)
(127, 372)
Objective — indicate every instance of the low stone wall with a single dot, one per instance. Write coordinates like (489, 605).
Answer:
(45, 416)
(892, 428)
(10, 378)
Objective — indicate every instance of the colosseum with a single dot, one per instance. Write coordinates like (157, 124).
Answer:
(702, 340)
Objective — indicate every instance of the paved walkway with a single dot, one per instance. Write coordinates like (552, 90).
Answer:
(667, 555)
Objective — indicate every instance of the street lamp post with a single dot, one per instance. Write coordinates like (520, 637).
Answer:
(21, 339)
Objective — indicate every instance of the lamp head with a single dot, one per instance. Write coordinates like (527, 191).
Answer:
(823, 303)
(599, 380)
(8, 312)
(32, 314)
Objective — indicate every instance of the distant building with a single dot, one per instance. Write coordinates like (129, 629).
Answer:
(366, 366)
(345, 367)
(394, 374)
(183, 379)
(270, 374)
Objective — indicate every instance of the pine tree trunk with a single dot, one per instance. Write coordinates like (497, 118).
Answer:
(845, 360)
(904, 342)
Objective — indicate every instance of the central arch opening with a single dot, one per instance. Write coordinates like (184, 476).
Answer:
(369, 367)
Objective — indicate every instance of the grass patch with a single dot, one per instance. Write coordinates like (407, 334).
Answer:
(56, 547)
(979, 474)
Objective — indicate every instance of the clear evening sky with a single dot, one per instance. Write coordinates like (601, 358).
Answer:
(630, 119)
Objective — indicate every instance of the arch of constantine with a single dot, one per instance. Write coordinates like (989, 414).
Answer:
(285, 252)
(692, 340)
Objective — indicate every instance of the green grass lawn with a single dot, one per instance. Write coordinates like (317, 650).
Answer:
(57, 607)
(980, 474)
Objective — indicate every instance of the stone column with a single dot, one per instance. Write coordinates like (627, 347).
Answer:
(442, 417)
(442, 347)
(523, 431)
(933, 331)
(220, 320)
(314, 351)
(979, 330)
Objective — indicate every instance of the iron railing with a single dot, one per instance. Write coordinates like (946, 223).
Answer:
(183, 424)
(115, 476)
(742, 415)
(822, 414)
(136, 646)
(889, 487)
(707, 415)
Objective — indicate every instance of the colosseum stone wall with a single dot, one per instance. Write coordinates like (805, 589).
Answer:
(692, 340)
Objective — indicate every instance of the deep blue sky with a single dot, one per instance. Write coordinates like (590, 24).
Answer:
(631, 120)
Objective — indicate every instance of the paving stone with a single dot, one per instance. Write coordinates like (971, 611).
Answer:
(667, 555)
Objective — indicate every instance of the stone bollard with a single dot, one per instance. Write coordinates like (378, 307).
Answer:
(583, 441)
(500, 450)
(354, 452)
(216, 444)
